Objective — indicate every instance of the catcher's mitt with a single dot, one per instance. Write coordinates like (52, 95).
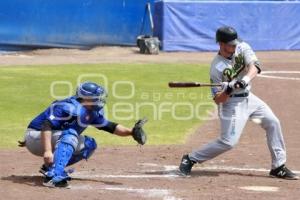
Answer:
(138, 133)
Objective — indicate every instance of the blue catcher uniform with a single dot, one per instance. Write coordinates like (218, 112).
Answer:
(68, 118)
(69, 114)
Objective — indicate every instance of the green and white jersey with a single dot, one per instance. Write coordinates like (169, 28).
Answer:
(236, 67)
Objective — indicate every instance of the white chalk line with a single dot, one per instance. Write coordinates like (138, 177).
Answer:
(150, 193)
(168, 172)
(260, 188)
(264, 74)
(223, 168)
(279, 77)
(280, 72)
(233, 169)
(133, 176)
(147, 193)
(149, 164)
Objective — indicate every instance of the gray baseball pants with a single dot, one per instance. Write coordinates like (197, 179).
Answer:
(234, 115)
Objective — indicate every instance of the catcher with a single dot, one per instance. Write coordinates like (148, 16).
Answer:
(55, 134)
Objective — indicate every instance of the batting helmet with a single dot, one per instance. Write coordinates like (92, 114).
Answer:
(90, 90)
(227, 35)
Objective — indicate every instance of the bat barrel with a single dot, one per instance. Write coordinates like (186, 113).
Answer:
(183, 84)
(192, 84)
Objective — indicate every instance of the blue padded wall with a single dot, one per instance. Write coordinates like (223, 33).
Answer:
(191, 25)
(69, 23)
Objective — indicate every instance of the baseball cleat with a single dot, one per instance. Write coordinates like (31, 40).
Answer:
(44, 169)
(186, 165)
(284, 173)
(48, 182)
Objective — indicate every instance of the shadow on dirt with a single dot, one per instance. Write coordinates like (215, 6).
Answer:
(24, 180)
(38, 180)
(197, 173)
(97, 181)
(206, 173)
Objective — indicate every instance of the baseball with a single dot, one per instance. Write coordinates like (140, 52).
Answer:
(256, 120)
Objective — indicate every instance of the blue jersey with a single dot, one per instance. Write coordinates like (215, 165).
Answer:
(69, 114)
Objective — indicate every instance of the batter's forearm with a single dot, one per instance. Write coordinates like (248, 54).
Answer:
(252, 72)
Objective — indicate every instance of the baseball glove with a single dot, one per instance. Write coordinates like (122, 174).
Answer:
(138, 133)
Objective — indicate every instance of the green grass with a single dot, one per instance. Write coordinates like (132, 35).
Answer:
(25, 92)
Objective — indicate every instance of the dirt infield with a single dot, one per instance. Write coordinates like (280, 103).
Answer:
(131, 55)
(149, 172)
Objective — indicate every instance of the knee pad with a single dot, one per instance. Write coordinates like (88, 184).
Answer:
(69, 137)
(90, 146)
(63, 153)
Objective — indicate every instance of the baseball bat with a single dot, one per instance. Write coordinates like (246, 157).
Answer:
(174, 84)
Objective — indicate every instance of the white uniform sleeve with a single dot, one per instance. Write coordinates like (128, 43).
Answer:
(250, 57)
(215, 77)
(249, 54)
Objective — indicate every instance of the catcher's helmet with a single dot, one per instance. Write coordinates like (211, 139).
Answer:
(227, 35)
(90, 90)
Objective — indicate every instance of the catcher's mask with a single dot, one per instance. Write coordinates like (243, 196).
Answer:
(94, 93)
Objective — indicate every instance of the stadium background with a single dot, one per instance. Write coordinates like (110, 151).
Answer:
(181, 25)
(119, 168)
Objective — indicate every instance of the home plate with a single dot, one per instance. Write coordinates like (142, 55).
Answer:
(260, 188)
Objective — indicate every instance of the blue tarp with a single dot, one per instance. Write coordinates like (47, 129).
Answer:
(69, 23)
(191, 25)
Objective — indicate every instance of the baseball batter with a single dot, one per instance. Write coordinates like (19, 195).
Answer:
(55, 134)
(235, 66)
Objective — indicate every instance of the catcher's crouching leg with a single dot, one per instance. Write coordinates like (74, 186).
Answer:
(62, 155)
(87, 146)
